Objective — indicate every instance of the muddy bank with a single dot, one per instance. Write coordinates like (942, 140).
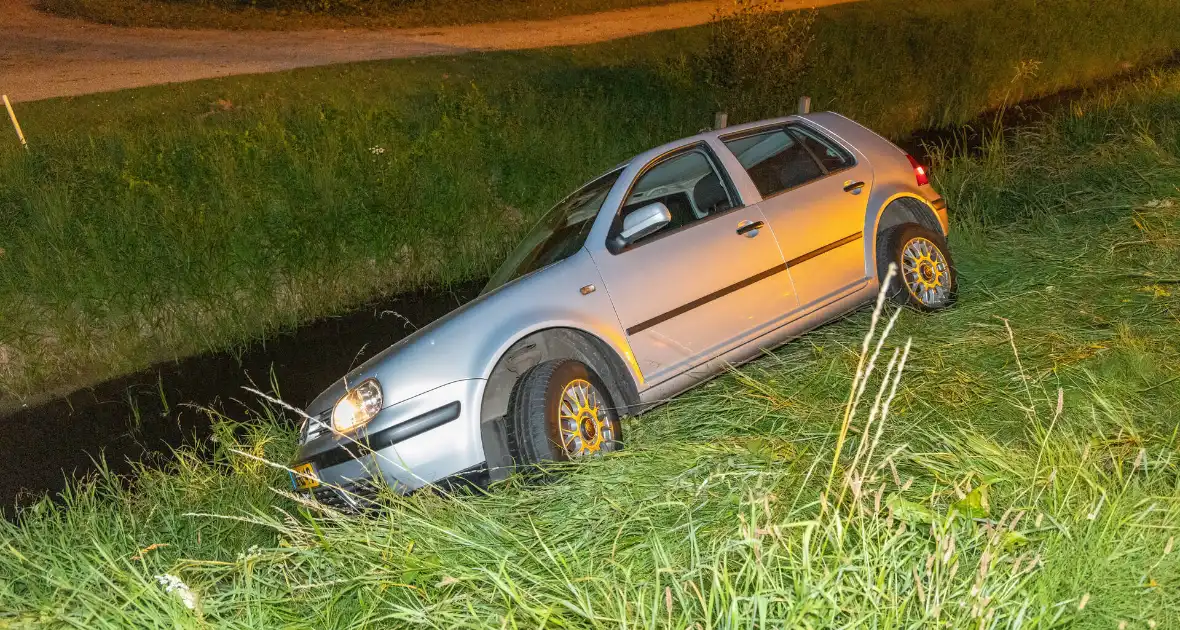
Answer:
(142, 416)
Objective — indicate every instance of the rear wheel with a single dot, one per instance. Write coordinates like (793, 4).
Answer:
(925, 278)
(559, 411)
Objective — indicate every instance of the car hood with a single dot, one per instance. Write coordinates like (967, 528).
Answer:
(412, 366)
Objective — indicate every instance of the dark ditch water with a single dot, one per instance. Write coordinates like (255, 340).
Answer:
(45, 445)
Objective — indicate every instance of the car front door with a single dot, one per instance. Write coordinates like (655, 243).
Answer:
(814, 194)
(702, 283)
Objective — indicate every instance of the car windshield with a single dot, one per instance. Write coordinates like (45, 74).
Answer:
(559, 234)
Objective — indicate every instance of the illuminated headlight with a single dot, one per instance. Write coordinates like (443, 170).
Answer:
(357, 407)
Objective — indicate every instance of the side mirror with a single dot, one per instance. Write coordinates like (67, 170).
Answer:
(644, 221)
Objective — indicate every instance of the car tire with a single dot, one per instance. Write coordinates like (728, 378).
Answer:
(545, 424)
(926, 279)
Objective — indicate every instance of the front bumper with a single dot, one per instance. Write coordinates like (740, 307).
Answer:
(419, 441)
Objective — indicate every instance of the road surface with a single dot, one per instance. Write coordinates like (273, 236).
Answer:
(45, 56)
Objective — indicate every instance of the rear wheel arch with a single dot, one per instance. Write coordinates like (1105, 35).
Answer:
(531, 350)
(898, 211)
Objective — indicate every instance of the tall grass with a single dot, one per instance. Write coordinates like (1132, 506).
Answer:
(165, 221)
(1008, 463)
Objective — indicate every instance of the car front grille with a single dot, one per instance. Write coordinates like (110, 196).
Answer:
(316, 427)
(351, 498)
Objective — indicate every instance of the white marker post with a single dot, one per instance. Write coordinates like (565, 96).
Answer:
(15, 124)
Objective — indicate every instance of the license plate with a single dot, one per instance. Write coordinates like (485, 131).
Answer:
(304, 477)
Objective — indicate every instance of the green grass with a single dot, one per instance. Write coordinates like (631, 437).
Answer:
(1024, 474)
(301, 14)
(161, 222)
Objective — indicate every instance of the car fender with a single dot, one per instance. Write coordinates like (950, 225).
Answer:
(594, 330)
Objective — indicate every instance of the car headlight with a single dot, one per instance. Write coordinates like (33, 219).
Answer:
(357, 407)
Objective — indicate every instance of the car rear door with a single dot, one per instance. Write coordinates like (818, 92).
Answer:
(703, 283)
(814, 194)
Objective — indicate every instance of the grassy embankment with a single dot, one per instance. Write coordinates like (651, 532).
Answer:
(1024, 475)
(161, 222)
(303, 14)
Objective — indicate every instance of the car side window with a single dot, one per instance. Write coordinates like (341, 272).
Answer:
(775, 160)
(689, 183)
(831, 156)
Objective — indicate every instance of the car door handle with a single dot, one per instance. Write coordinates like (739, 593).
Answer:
(749, 229)
(853, 187)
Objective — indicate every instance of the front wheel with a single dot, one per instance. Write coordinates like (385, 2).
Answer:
(560, 411)
(925, 278)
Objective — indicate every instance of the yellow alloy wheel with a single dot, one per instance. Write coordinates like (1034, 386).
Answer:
(583, 422)
(924, 270)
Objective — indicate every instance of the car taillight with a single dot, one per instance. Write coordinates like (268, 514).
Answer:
(919, 171)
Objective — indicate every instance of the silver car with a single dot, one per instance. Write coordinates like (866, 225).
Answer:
(648, 280)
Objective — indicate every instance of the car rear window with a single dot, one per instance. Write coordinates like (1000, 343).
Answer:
(831, 156)
(782, 158)
(775, 159)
